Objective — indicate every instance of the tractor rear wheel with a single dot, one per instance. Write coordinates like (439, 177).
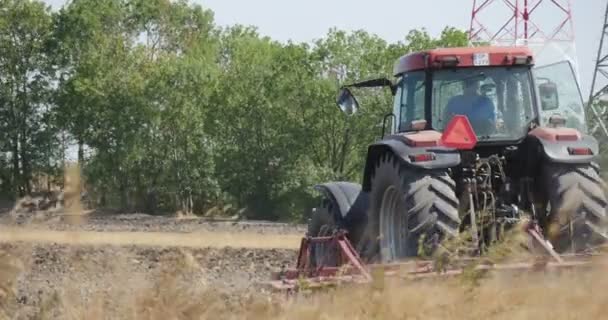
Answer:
(407, 203)
(576, 207)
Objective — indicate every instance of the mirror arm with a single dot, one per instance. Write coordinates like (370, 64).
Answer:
(374, 83)
(393, 89)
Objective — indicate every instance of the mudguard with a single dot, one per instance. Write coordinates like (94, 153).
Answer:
(555, 143)
(348, 197)
(406, 145)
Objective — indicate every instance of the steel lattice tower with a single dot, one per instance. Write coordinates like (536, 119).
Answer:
(546, 26)
(520, 21)
(601, 69)
(601, 65)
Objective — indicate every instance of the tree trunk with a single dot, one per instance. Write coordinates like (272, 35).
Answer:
(25, 165)
(123, 194)
(186, 160)
(80, 152)
(179, 190)
(25, 160)
(16, 169)
(102, 198)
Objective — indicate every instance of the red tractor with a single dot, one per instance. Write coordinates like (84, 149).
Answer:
(479, 140)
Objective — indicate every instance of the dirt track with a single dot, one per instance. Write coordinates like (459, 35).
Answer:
(154, 239)
(127, 254)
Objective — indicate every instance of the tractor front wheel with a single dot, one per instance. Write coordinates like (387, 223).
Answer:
(322, 224)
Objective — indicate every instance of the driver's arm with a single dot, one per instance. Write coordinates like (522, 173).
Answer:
(488, 114)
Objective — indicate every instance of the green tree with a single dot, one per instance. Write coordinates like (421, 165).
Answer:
(139, 105)
(251, 126)
(27, 131)
(179, 114)
(89, 35)
(275, 122)
(340, 142)
(182, 45)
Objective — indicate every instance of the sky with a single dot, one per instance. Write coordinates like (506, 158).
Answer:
(305, 21)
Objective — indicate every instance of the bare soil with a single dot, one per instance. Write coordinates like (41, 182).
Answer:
(127, 254)
(98, 266)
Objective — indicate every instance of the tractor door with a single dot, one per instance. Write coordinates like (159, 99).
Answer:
(409, 100)
(558, 94)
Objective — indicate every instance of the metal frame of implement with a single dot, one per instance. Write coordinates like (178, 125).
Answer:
(351, 269)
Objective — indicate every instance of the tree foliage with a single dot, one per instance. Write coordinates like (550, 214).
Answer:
(25, 87)
(168, 111)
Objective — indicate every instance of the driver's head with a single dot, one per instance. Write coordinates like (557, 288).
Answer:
(471, 87)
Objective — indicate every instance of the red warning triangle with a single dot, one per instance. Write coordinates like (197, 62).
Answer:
(459, 134)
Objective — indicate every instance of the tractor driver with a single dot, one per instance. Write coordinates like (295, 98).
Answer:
(477, 108)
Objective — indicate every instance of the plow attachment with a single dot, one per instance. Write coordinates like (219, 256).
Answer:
(347, 267)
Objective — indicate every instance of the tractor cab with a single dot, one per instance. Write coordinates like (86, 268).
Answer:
(496, 88)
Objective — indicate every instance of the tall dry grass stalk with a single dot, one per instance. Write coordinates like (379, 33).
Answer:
(72, 192)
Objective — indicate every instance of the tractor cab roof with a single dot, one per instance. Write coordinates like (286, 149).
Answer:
(463, 57)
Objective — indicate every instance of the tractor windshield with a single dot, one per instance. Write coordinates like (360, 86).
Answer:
(496, 100)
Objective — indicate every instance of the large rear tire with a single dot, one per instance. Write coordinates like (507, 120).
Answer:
(405, 204)
(577, 204)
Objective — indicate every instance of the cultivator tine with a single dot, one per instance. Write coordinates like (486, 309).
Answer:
(304, 248)
(353, 257)
(535, 234)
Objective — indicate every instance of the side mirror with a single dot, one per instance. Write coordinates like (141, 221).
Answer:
(549, 98)
(347, 102)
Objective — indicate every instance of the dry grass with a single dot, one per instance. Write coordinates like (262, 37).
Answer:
(174, 295)
(73, 188)
(570, 296)
(152, 239)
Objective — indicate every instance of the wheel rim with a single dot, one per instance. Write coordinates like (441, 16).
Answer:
(393, 231)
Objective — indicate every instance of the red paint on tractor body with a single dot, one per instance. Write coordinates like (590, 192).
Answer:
(556, 134)
(498, 56)
(426, 138)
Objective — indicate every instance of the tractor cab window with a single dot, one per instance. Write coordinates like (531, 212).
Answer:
(496, 100)
(559, 95)
(409, 99)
